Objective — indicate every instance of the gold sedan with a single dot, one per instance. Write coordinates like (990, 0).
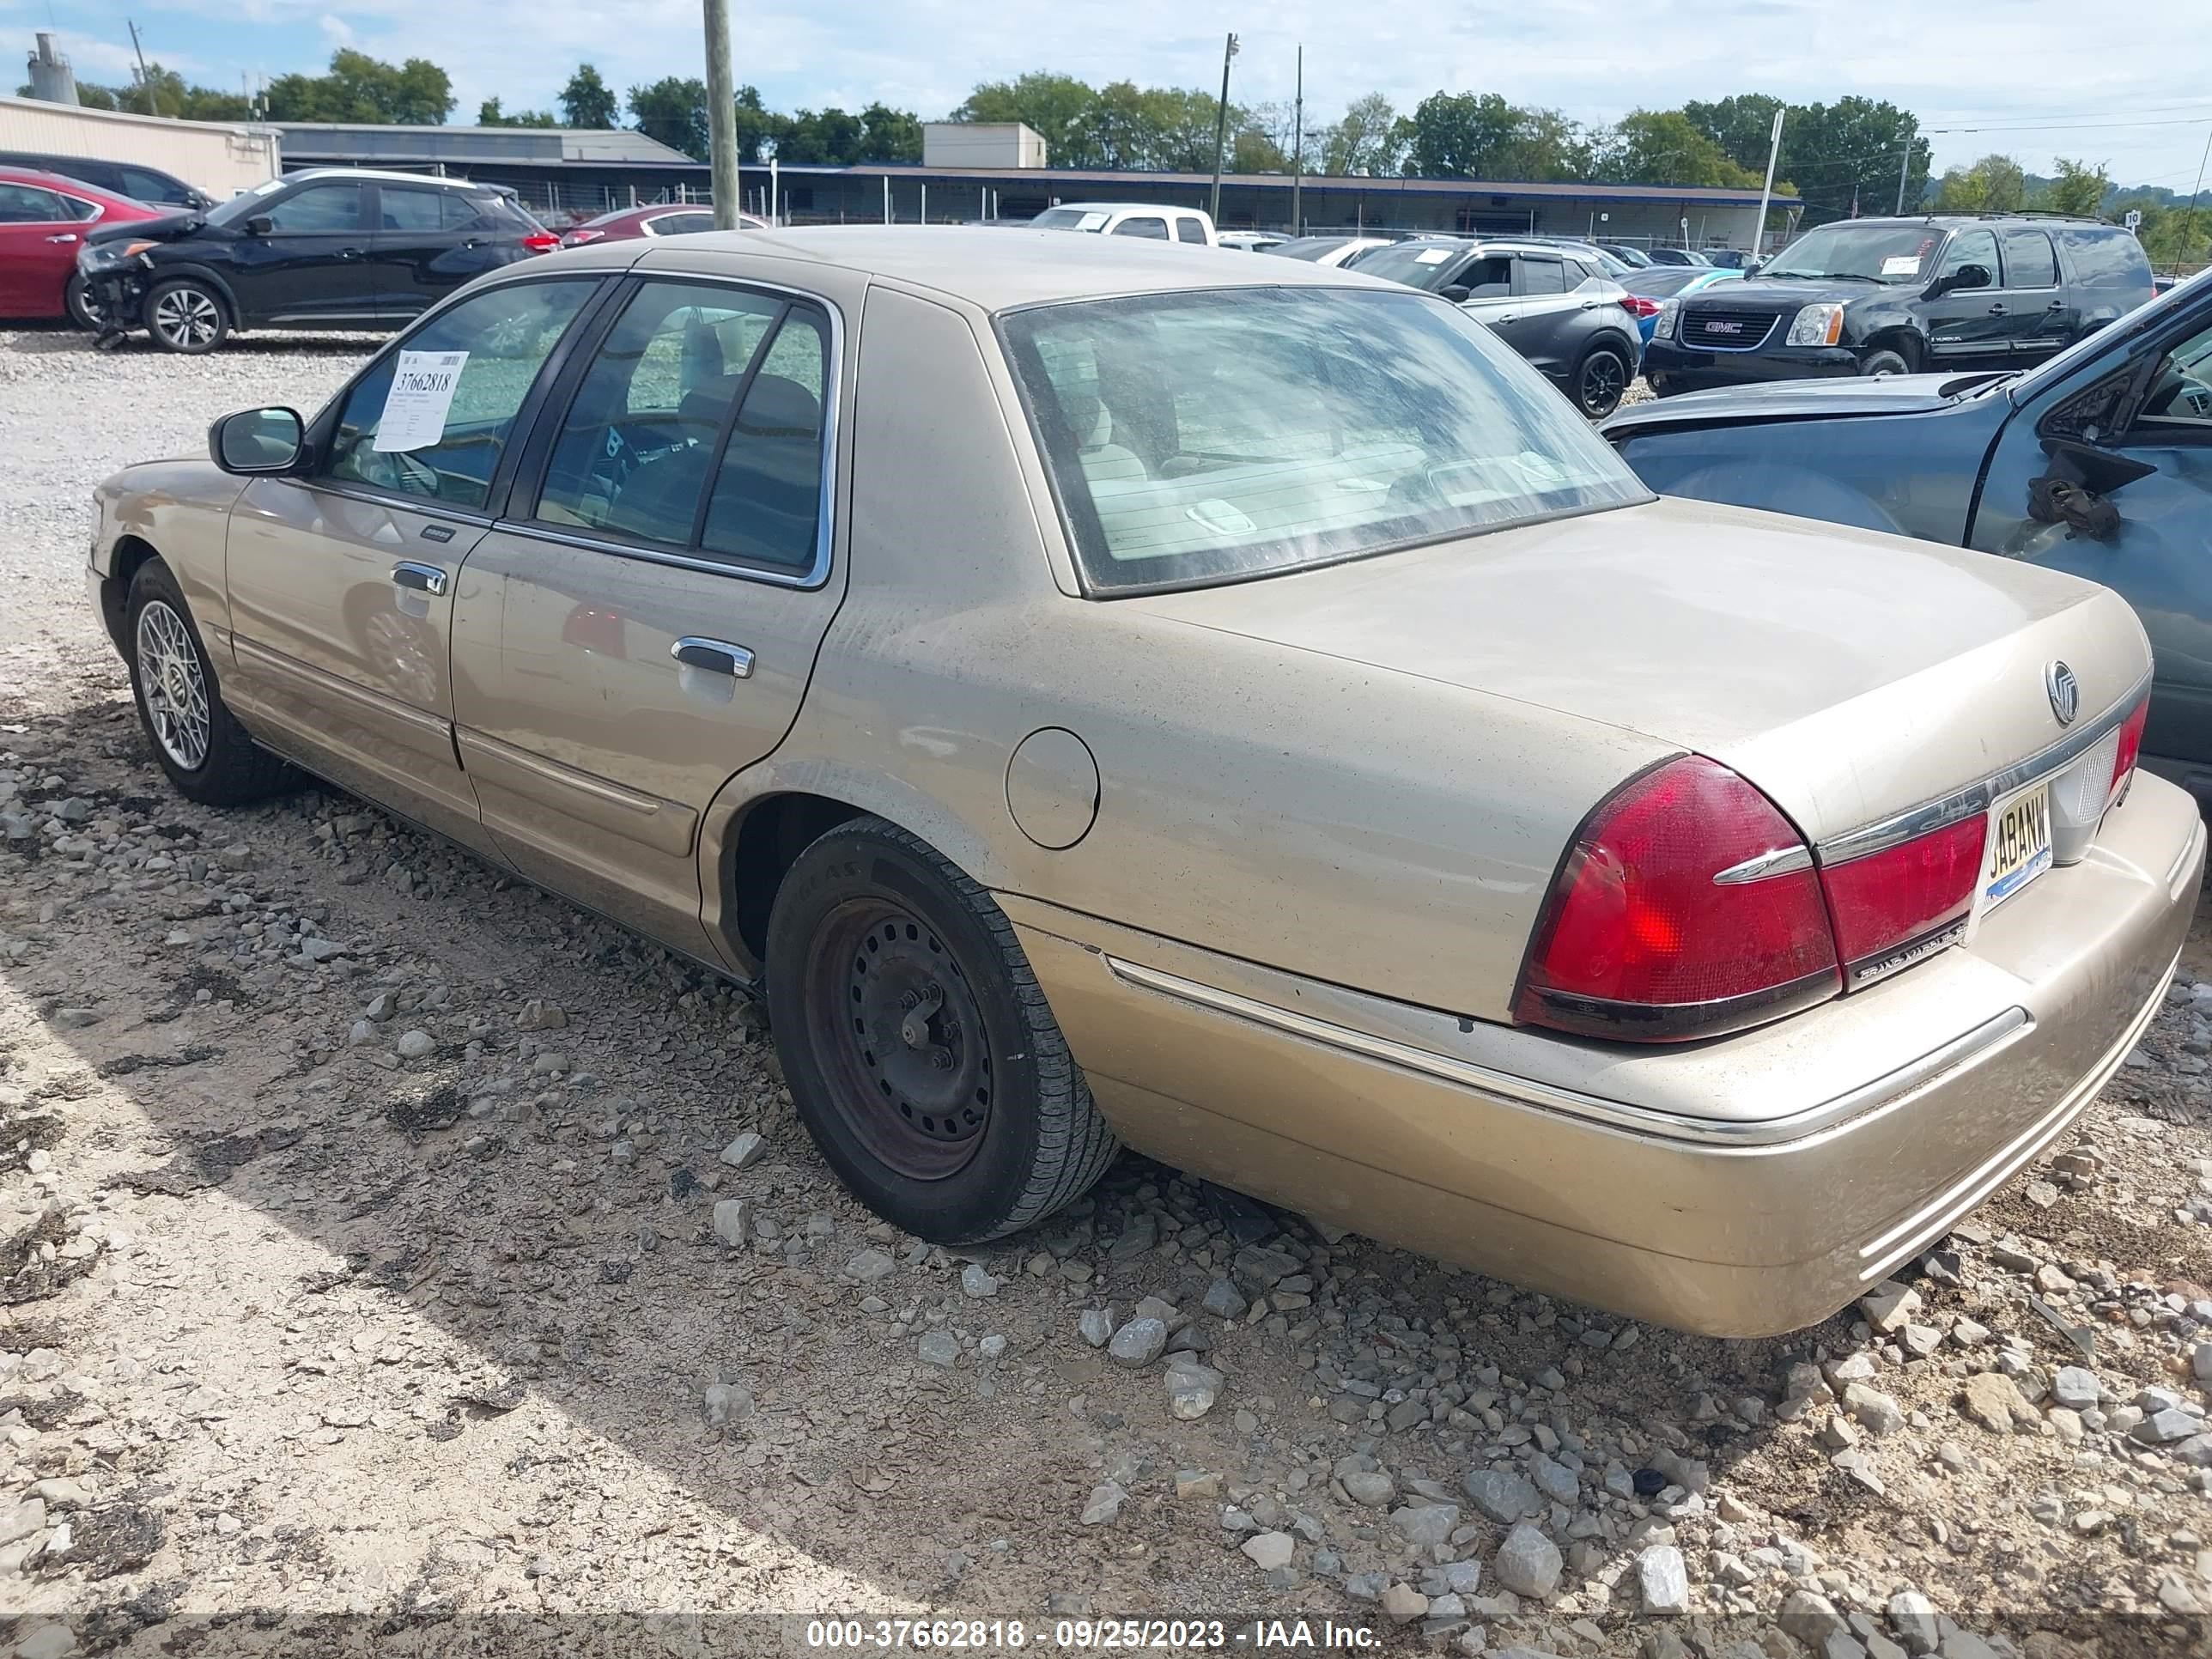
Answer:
(1117, 694)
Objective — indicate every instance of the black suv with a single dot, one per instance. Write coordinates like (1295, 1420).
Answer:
(141, 184)
(1904, 296)
(332, 248)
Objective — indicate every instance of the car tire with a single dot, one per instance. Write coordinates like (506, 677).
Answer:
(1884, 362)
(187, 315)
(196, 740)
(917, 1045)
(1600, 379)
(77, 304)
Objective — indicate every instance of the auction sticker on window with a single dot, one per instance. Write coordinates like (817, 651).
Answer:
(1901, 265)
(422, 393)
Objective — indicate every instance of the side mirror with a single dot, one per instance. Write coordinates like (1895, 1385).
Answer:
(1457, 293)
(260, 225)
(258, 442)
(1754, 267)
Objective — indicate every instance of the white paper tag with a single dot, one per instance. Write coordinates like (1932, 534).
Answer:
(1091, 222)
(1435, 256)
(421, 392)
(1901, 265)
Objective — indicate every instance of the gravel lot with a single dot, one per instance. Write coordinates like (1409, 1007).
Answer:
(368, 1264)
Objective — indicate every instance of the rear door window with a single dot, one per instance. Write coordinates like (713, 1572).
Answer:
(698, 425)
(1539, 275)
(27, 205)
(2029, 261)
(1189, 230)
(1156, 229)
(407, 208)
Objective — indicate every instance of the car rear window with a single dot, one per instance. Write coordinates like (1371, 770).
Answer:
(1204, 437)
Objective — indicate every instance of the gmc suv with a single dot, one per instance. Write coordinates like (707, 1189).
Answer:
(1904, 296)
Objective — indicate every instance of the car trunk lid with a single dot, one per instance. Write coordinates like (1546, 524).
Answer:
(1851, 676)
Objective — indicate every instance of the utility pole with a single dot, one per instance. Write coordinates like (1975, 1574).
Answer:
(1904, 165)
(1221, 128)
(721, 115)
(1299, 146)
(2189, 224)
(145, 79)
(1767, 190)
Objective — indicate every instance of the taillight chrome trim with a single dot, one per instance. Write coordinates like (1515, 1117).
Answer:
(1777, 861)
(1931, 815)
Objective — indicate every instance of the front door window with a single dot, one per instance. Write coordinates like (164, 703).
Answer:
(501, 338)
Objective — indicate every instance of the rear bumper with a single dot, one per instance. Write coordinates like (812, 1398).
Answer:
(1686, 370)
(1742, 1188)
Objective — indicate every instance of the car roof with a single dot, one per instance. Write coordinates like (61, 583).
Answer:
(388, 176)
(1124, 207)
(12, 172)
(988, 267)
(1911, 221)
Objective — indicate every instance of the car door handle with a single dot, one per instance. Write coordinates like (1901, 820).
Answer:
(716, 656)
(349, 254)
(1997, 310)
(422, 578)
(66, 236)
(2056, 305)
(1501, 317)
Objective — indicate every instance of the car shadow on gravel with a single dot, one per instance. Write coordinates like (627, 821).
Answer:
(542, 1188)
(61, 340)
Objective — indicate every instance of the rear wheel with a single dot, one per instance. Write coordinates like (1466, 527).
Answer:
(206, 753)
(1600, 380)
(920, 1050)
(1876, 363)
(187, 315)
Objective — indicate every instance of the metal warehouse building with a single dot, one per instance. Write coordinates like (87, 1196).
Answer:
(563, 172)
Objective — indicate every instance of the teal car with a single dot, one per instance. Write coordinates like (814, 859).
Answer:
(1651, 287)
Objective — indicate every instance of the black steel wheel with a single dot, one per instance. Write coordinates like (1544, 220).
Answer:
(919, 1048)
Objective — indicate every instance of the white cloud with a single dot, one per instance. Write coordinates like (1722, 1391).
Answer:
(2006, 71)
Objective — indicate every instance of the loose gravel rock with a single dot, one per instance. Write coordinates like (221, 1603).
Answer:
(559, 1316)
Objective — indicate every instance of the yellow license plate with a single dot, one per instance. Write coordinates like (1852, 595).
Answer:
(2019, 845)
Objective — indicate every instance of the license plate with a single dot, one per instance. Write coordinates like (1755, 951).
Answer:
(2019, 845)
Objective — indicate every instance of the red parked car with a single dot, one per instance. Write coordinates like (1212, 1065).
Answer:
(44, 218)
(668, 219)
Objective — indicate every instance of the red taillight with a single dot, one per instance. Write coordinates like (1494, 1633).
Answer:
(1636, 306)
(2130, 750)
(541, 241)
(1888, 900)
(1687, 906)
(578, 238)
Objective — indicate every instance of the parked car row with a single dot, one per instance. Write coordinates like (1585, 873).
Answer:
(46, 219)
(1681, 909)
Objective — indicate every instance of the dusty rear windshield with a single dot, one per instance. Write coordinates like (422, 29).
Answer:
(1204, 437)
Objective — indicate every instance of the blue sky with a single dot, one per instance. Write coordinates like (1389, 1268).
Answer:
(2021, 73)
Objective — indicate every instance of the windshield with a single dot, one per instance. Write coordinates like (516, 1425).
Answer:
(1876, 253)
(1417, 264)
(1070, 219)
(1199, 438)
(1308, 247)
(245, 202)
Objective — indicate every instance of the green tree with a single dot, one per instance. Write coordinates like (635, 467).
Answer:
(1059, 107)
(164, 92)
(760, 129)
(673, 110)
(889, 135)
(2078, 189)
(1665, 147)
(490, 114)
(1833, 155)
(1366, 139)
(359, 87)
(1996, 184)
(1460, 135)
(587, 101)
(828, 137)
(2175, 237)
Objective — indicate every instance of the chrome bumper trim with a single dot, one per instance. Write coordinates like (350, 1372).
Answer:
(1882, 1094)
